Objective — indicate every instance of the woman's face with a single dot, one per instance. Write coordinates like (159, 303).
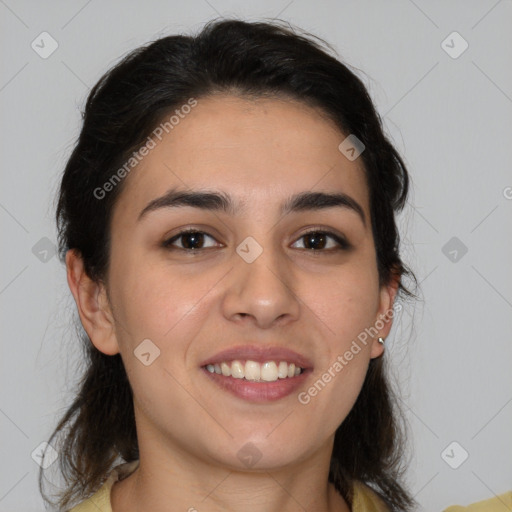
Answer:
(253, 283)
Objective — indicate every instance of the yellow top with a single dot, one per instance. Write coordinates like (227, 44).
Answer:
(501, 503)
(365, 500)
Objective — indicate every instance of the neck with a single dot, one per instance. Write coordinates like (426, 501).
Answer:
(168, 480)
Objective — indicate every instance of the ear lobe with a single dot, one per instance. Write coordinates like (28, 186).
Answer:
(92, 304)
(384, 320)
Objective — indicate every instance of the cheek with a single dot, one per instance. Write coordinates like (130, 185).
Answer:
(154, 301)
(346, 302)
(332, 394)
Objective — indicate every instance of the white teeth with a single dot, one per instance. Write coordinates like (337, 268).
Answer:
(237, 370)
(252, 370)
(282, 372)
(226, 370)
(269, 371)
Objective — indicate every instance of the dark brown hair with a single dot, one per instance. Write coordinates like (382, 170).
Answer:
(247, 59)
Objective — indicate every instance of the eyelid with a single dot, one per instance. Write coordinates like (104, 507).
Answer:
(340, 239)
(167, 243)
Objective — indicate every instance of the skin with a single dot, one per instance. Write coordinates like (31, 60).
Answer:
(192, 306)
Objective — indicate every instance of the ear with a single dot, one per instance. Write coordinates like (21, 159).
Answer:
(92, 304)
(384, 318)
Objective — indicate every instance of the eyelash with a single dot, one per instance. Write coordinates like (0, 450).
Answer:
(343, 245)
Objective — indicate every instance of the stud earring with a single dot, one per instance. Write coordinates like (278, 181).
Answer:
(381, 340)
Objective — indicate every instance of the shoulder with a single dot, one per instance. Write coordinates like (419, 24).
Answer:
(366, 499)
(100, 500)
(496, 504)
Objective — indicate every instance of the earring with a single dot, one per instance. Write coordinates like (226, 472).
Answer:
(381, 340)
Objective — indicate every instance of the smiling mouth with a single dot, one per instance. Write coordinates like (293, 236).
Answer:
(258, 373)
(257, 382)
(269, 371)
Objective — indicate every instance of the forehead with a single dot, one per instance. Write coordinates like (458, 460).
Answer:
(260, 151)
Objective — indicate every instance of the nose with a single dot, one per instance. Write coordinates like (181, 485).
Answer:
(261, 292)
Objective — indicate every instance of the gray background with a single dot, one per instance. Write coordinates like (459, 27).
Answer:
(449, 117)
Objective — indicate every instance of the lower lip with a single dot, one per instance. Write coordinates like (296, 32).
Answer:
(259, 391)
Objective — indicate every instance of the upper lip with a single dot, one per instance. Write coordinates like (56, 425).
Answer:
(259, 354)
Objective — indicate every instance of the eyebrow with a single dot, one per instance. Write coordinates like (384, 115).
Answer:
(220, 201)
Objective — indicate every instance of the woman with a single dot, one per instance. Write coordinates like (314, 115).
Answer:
(227, 222)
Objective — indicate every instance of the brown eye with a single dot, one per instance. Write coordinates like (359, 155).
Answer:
(191, 240)
(323, 241)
